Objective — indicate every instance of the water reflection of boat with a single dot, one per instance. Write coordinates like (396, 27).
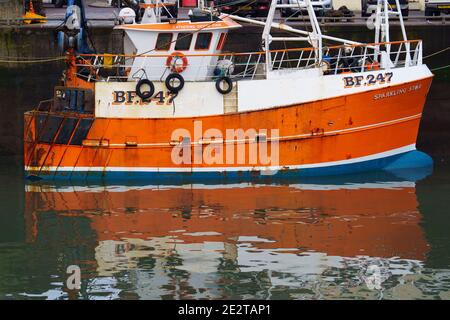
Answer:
(303, 239)
(377, 218)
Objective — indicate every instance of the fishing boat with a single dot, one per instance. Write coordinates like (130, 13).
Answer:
(175, 105)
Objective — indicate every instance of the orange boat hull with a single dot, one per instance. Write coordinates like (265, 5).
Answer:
(371, 130)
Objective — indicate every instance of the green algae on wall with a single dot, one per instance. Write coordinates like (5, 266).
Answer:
(11, 9)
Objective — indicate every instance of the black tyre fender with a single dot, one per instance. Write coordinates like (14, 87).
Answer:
(146, 94)
(172, 88)
(228, 82)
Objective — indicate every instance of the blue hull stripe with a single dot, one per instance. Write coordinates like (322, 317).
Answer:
(408, 160)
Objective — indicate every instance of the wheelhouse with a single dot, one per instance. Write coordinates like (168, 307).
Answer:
(189, 47)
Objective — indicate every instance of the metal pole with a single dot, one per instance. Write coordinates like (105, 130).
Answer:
(317, 38)
(266, 33)
(290, 29)
(405, 38)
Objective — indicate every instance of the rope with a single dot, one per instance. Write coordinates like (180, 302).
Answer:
(437, 52)
(440, 68)
(34, 61)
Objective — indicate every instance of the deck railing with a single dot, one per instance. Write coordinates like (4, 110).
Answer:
(335, 60)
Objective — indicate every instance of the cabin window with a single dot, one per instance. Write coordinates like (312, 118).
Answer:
(183, 41)
(163, 41)
(203, 41)
(221, 42)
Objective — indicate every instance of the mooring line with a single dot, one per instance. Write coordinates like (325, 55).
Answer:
(437, 52)
(34, 61)
(440, 68)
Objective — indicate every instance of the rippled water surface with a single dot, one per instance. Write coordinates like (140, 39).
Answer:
(306, 239)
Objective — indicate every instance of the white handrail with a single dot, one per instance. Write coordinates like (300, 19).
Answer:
(247, 65)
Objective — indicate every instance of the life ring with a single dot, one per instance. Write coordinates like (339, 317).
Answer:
(172, 88)
(146, 94)
(177, 62)
(229, 85)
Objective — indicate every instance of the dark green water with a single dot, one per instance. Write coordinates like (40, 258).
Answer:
(308, 239)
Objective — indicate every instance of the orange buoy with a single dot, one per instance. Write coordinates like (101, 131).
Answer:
(373, 66)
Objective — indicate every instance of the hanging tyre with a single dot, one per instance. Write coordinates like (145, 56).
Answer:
(226, 83)
(174, 82)
(145, 94)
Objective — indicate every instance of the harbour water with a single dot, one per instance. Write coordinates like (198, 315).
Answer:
(372, 236)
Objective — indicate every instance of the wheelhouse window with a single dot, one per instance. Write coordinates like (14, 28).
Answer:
(163, 42)
(183, 41)
(221, 42)
(203, 41)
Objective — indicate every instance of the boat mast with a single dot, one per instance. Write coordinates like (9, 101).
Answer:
(382, 32)
(287, 28)
(266, 37)
(382, 23)
(314, 37)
